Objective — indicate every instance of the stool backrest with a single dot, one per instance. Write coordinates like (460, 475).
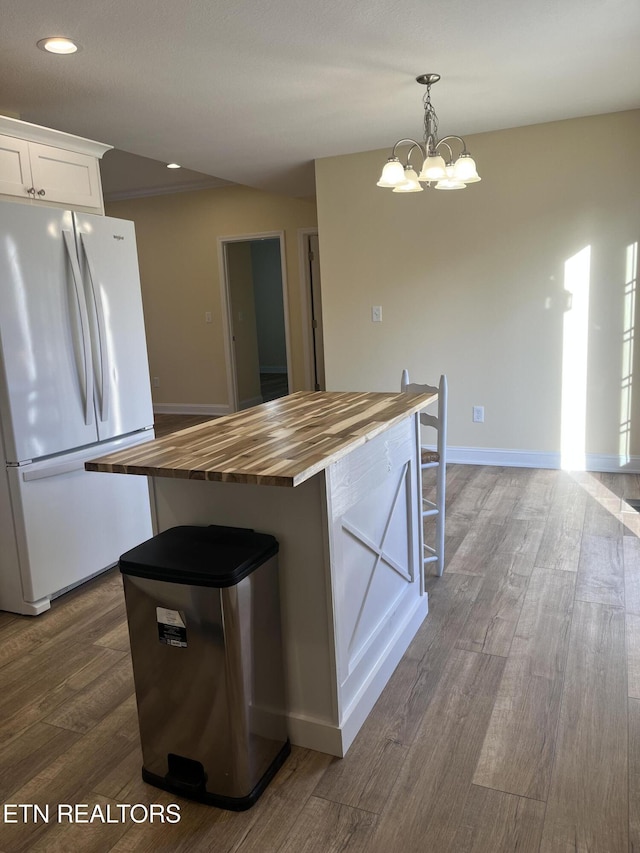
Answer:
(439, 420)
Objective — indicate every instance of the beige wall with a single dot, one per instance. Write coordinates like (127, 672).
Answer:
(472, 283)
(178, 252)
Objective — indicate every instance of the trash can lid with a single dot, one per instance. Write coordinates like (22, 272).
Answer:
(202, 556)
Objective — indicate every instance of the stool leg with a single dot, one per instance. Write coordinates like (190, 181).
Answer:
(441, 488)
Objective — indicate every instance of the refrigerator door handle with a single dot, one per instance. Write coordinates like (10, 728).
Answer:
(102, 335)
(84, 327)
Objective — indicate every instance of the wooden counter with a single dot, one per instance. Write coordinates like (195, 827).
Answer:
(281, 443)
(350, 534)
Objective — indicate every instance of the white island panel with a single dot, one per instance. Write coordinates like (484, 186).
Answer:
(350, 580)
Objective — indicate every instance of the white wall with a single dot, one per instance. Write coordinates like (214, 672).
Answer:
(472, 283)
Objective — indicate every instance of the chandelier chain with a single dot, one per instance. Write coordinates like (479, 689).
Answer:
(430, 121)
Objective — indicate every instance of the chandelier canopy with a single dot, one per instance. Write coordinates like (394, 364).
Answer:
(437, 164)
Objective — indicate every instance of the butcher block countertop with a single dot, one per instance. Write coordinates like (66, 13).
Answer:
(280, 443)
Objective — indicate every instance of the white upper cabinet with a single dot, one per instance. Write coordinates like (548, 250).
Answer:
(44, 166)
(65, 176)
(15, 169)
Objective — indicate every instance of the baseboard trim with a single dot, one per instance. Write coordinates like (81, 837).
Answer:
(334, 739)
(315, 734)
(602, 462)
(370, 691)
(213, 409)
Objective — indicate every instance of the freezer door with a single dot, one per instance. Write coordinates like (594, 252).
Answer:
(109, 263)
(46, 380)
(71, 524)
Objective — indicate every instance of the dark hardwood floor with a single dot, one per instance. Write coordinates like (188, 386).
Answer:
(166, 424)
(511, 724)
(273, 385)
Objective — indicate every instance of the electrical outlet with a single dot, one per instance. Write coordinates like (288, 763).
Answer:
(156, 381)
(207, 317)
(478, 414)
(376, 313)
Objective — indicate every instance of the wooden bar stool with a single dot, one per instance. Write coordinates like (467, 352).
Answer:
(430, 458)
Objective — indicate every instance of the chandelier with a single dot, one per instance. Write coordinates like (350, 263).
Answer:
(437, 164)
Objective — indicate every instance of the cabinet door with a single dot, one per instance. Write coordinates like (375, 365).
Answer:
(65, 177)
(15, 171)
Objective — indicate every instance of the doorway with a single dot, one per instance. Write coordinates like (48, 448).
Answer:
(257, 333)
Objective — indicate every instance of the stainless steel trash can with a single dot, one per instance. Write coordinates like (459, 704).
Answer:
(204, 626)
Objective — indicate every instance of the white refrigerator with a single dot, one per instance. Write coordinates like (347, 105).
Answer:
(74, 384)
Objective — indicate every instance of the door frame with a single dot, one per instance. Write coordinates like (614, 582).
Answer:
(227, 320)
(306, 311)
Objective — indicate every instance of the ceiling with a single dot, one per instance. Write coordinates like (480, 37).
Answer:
(253, 92)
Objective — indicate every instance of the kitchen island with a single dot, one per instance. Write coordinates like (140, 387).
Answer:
(335, 476)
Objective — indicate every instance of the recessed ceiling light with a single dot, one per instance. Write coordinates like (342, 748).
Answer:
(173, 166)
(58, 44)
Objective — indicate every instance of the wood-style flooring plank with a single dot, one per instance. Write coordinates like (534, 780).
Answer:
(495, 822)
(632, 621)
(621, 483)
(631, 560)
(601, 570)
(522, 537)
(630, 519)
(398, 713)
(496, 610)
(560, 545)
(485, 539)
(73, 772)
(30, 753)
(50, 679)
(634, 775)
(587, 806)
(72, 611)
(166, 424)
(533, 503)
(330, 827)
(122, 778)
(36, 701)
(365, 776)
(264, 827)
(467, 503)
(476, 550)
(603, 516)
(96, 836)
(282, 804)
(424, 809)
(503, 495)
(117, 637)
(95, 701)
(569, 501)
(517, 752)
(6, 619)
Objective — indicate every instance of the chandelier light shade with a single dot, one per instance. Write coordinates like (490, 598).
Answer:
(410, 184)
(438, 165)
(392, 173)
